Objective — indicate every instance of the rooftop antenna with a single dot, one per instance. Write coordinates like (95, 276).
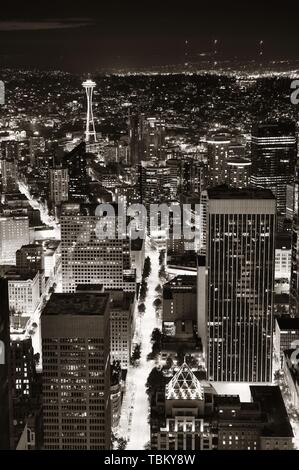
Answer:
(215, 53)
(186, 53)
(261, 50)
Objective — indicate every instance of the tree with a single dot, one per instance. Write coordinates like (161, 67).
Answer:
(155, 381)
(36, 358)
(143, 291)
(158, 288)
(157, 303)
(156, 335)
(161, 257)
(136, 354)
(147, 267)
(121, 443)
(162, 272)
(156, 340)
(169, 363)
(141, 308)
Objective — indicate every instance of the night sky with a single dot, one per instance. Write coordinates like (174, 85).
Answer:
(85, 36)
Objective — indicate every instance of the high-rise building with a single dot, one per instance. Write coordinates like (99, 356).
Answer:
(187, 414)
(5, 370)
(155, 185)
(22, 367)
(294, 284)
(185, 176)
(8, 176)
(76, 372)
(37, 146)
(180, 307)
(240, 262)
(59, 185)
(14, 232)
(218, 153)
(283, 258)
(121, 326)
(30, 259)
(273, 156)
(77, 173)
(152, 138)
(89, 259)
(24, 292)
(286, 334)
(238, 172)
(9, 150)
(134, 138)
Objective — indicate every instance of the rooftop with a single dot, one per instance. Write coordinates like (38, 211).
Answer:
(283, 241)
(184, 386)
(79, 303)
(272, 404)
(227, 192)
(288, 323)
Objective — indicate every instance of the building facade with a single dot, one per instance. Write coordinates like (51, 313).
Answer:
(76, 372)
(240, 264)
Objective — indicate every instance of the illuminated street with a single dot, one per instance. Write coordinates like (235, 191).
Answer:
(134, 425)
(35, 318)
(45, 217)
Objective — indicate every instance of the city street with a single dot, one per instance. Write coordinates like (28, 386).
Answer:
(35, 318)
(134, 426)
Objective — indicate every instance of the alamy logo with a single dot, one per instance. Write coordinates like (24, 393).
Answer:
(2, 353)
(2, 92)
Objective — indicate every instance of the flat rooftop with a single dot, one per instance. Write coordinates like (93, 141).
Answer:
(182, 280)
(227, 192)
(79, 303)
(288, 323)
(272, 404)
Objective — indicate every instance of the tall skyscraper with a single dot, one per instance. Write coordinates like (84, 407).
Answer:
(273, 155)
(218, 153)
(14, 232)
(240, 263)
(238, 172)
(5, 375)
(77, 173)
(8, 175)
(76, 372)
(294, 284)
(59, 185)
(88, 259)
(30, 259)
(37, 146)
(134, 138)
(155, 186)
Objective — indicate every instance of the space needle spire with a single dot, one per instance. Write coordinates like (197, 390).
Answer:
(90, 127)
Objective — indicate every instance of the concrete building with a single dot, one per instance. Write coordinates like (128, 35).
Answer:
(291, 373)
(91, 259)
(14, 232)
(30, 259)
(59, 185)
(240, 284)
(179, 315)
(24, 292)
(122, 326)
(76, 372)
(187, 414)
(286, 334)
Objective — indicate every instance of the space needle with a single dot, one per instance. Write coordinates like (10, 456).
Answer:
(90, 127)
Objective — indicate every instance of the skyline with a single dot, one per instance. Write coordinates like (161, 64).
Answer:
(101, 37)
(149, 229)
